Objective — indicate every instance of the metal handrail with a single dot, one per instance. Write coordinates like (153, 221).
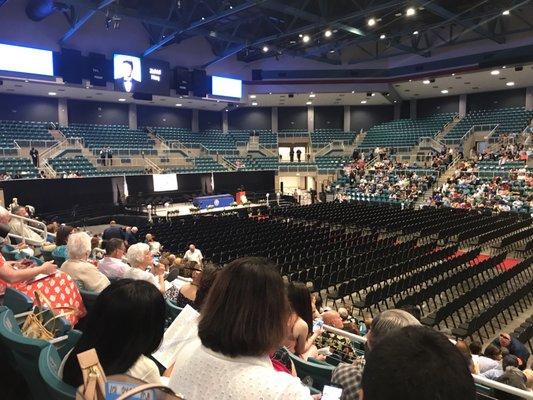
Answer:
(42, 232)
(477, 378)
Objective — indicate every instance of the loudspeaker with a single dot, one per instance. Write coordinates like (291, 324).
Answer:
(199, 83)
(142, 96)
(183, 80)
(70, 66)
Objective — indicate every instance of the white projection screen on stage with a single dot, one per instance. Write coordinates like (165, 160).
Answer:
(165, 182)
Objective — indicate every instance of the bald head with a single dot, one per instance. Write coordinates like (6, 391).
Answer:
(332, 318)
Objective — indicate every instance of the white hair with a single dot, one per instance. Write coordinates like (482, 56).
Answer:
(136, 253)
(78, 245)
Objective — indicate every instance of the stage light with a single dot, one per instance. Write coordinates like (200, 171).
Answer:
(312, 95)
(254, 103)
(371, 22)
(506, 12)
(178, 104)
(363, 101)
(309, 103)
(253, 96)
(52, 93)
(510, 83)
(426, 82)
(382, 36)
(300, 35)
(306, 38)
(415, 33)
(265, 49)
(495, 72)
(328, 33)
(121, 99)
(444, 91)
(410, 12)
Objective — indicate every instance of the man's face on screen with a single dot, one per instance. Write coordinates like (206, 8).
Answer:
(126, 70)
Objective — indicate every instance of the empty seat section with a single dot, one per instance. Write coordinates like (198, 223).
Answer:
(254, 163)
(331, 163)
(117, 137)
(24, 132)
(20, 167)
(321, 137)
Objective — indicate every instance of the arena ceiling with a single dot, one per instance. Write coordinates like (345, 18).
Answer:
(333, 32)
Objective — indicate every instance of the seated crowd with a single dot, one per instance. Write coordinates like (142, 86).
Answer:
(496, 181)
(241, 326)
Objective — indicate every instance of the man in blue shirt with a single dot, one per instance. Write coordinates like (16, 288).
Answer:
(514, 347)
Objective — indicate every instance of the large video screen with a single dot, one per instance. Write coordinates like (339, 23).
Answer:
(165, 182)
(226, 87)
(26, 60)
(140, 75)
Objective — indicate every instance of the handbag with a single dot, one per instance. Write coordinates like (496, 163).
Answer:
(94, 379)
(35, 326)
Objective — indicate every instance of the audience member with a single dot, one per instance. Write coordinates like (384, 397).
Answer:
(301, 339)
(416, 363)
(113, 232)
(514, 346)
(140, 259)
(112, 265)
(512, 374)
(483, 362)
(338, 345)
(77, 266)
(348, 376)
(125, 325)
(130, 235)
(155, 246)
(242, 321)
(62, 236)
(193, 254)
(20, 228)
(186, 294)
(465, 351)
(5, 229)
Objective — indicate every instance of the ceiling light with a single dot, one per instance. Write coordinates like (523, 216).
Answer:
(253, 96)
(506, 12)
(504, 67)
(328, 33)
(312, 95)
(265, 49)
(382, 36)
(121, 99)
(306, 38)
(332, 51)
(25, 80)
(353, 91)
(178, 104)
(415, 33)
(373, 94)
(495, 72)
(254, 103)
(510, 83)
(371, 22)
(410, 12)
(426, 81)
(363, 101)
(444, 91)
(300, 35)
(52, 93)
(309, 103)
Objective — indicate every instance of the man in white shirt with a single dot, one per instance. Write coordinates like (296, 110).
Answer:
(112, 265)
(193, 254)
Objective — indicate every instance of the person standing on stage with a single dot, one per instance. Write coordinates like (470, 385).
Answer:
(193, 254)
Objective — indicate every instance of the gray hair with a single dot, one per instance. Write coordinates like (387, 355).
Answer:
(78, 245)
(136, 253)
(387, 322)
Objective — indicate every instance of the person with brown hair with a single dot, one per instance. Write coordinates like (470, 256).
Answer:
(242, 321)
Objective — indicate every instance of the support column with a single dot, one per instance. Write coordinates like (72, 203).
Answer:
(310, 119)
(412, 109)
(225, 121)
(397, 111)
(132, 116)
(62, 112)
(347, 119)
(194, 122)
(274, 118)
(462, 105)
(529, 98)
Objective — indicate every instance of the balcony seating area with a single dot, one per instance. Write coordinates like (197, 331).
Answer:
(23, 132)
(254, 163)
(511, 120)
(405, 132)
(117, 137)
(213, 140)
(18, 168)
(321, 137)
(79, 164)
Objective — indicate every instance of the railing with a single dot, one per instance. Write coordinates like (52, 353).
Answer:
(34, 143)
(290, 135)
(129, 152)
(155, 168)
(295, 167)
(471, 131)
(432, 143)
(48, 168)
(9, 152)
(36, 226)
(50, 152)
(227, 163)
(481, 380)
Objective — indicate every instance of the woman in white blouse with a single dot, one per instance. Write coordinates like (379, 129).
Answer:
(141, 259)
(126, 324)
(77, 266)
(242, 321)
